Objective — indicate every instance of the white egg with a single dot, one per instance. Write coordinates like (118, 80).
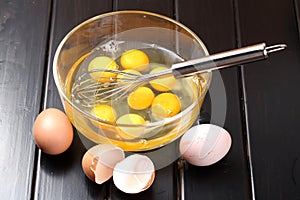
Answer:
(101, 159)
(205, 144)
(134, 174)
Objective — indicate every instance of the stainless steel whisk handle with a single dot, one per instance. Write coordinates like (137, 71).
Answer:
(224, 59)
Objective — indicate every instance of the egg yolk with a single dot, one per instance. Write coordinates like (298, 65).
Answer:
(131, 132)
(105, 113)
(141, 98)
(165, 105)
(131, 119)
(134, 59)
(121, 77)
(103, 62)
(162, 84)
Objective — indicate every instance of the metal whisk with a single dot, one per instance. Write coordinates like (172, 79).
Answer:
(89, 93)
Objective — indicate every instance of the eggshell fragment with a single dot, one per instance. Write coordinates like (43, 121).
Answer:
(52, 131)
(99, 161)
(205, 144)
(134, 174)
(86, 164)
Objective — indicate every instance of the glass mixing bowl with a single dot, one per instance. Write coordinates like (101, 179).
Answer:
(132, 29)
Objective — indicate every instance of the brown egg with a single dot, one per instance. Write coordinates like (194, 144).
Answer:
(53, 132)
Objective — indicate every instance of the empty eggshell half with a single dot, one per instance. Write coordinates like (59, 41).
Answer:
(101, 159)
(134, 174)
(205, 144)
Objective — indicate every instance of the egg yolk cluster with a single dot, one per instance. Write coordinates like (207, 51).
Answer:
(157, 96)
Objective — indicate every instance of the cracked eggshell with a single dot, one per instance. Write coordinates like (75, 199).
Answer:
(98, 162)
(205, 144)
(134, 174)
(86, 164)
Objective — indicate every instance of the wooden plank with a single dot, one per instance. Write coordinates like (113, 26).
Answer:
(61, 177)
(213, 22)
(23, 26)
(164, 186)
(297, 10)
(161, 7)
(272, 98)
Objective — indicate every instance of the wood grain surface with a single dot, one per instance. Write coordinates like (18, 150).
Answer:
(23, 39)
(273, 98)
(61, 177)
(258, 105)
(215, 25)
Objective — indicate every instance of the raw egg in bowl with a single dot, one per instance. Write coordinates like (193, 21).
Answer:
(139, 43)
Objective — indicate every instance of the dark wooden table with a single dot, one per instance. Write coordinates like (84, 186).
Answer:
(262, 107)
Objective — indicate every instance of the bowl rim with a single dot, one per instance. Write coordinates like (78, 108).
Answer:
(164, 121)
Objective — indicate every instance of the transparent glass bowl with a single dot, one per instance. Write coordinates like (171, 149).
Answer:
(125, 26)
